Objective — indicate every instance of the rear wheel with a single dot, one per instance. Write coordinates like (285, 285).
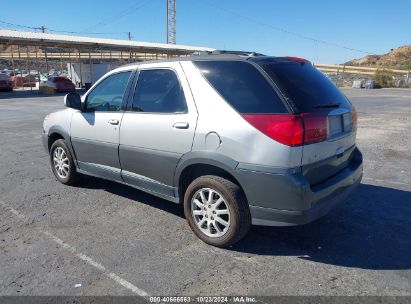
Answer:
(62, 163)
(216, 210)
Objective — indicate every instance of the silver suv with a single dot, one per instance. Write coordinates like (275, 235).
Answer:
(238, 140)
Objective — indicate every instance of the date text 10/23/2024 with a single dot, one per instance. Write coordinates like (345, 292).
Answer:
(202, 299)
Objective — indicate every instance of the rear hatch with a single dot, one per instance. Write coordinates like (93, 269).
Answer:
(325, 112)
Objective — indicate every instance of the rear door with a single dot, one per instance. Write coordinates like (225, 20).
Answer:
(313, 95)
(157, 128)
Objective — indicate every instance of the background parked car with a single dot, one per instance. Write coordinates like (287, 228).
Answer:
(57, 85)
(5, 83)
(25, 80)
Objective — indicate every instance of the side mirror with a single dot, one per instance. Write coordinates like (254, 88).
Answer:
(73, 100)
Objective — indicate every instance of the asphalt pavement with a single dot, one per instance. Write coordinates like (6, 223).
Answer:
(103, 238)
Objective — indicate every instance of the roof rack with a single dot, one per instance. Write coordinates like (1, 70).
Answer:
(225, 52)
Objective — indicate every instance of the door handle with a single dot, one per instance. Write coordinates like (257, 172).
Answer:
(181, 125)
(113, 121)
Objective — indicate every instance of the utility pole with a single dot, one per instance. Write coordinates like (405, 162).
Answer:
(129, 35)
(171, 21)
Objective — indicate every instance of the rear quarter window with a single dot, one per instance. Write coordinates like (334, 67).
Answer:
(243, 86)
(306, 86)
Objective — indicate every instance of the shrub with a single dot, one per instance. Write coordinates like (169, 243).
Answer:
(384, 78)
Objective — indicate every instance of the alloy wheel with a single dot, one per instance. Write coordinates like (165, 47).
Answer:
(210, 212)
(61, 162)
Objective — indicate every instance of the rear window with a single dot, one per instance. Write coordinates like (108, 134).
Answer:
(307, 87)
(242, 86)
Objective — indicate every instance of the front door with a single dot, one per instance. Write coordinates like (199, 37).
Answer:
(95, 131)
(158, 128)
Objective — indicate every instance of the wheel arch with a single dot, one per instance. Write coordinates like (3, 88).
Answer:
(203, 163)
(57, 132)
(52, 138)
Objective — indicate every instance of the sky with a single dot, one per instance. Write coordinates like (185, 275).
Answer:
(320, 31)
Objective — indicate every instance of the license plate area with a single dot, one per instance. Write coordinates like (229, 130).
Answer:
(339, 125)
(347, 122)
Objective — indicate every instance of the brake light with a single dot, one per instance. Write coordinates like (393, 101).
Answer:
(315, 127)
(291, 129)
(286, 129)
(297, 59)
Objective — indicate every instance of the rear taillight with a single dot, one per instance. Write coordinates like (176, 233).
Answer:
(286, 129)
(291, 129)
(315, 127)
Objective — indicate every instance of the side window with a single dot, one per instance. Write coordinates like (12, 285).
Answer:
(159, 91)
(242, 86)
(109, 94)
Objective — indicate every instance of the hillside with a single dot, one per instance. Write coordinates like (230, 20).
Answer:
(399, 58)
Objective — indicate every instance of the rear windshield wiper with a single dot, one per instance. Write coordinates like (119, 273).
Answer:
(327, 105)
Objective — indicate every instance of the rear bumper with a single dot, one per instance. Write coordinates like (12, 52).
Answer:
(286, 198)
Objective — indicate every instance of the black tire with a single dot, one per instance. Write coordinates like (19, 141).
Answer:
(72, 175)
(236, 202)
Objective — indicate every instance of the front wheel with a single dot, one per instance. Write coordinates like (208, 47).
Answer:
(216, 210)
(62, 163)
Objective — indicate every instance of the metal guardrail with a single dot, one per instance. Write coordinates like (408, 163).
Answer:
(330, 68)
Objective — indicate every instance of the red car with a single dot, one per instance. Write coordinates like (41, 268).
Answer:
(63, 84)
(24, 80)
(57, 84)
(5, 83)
